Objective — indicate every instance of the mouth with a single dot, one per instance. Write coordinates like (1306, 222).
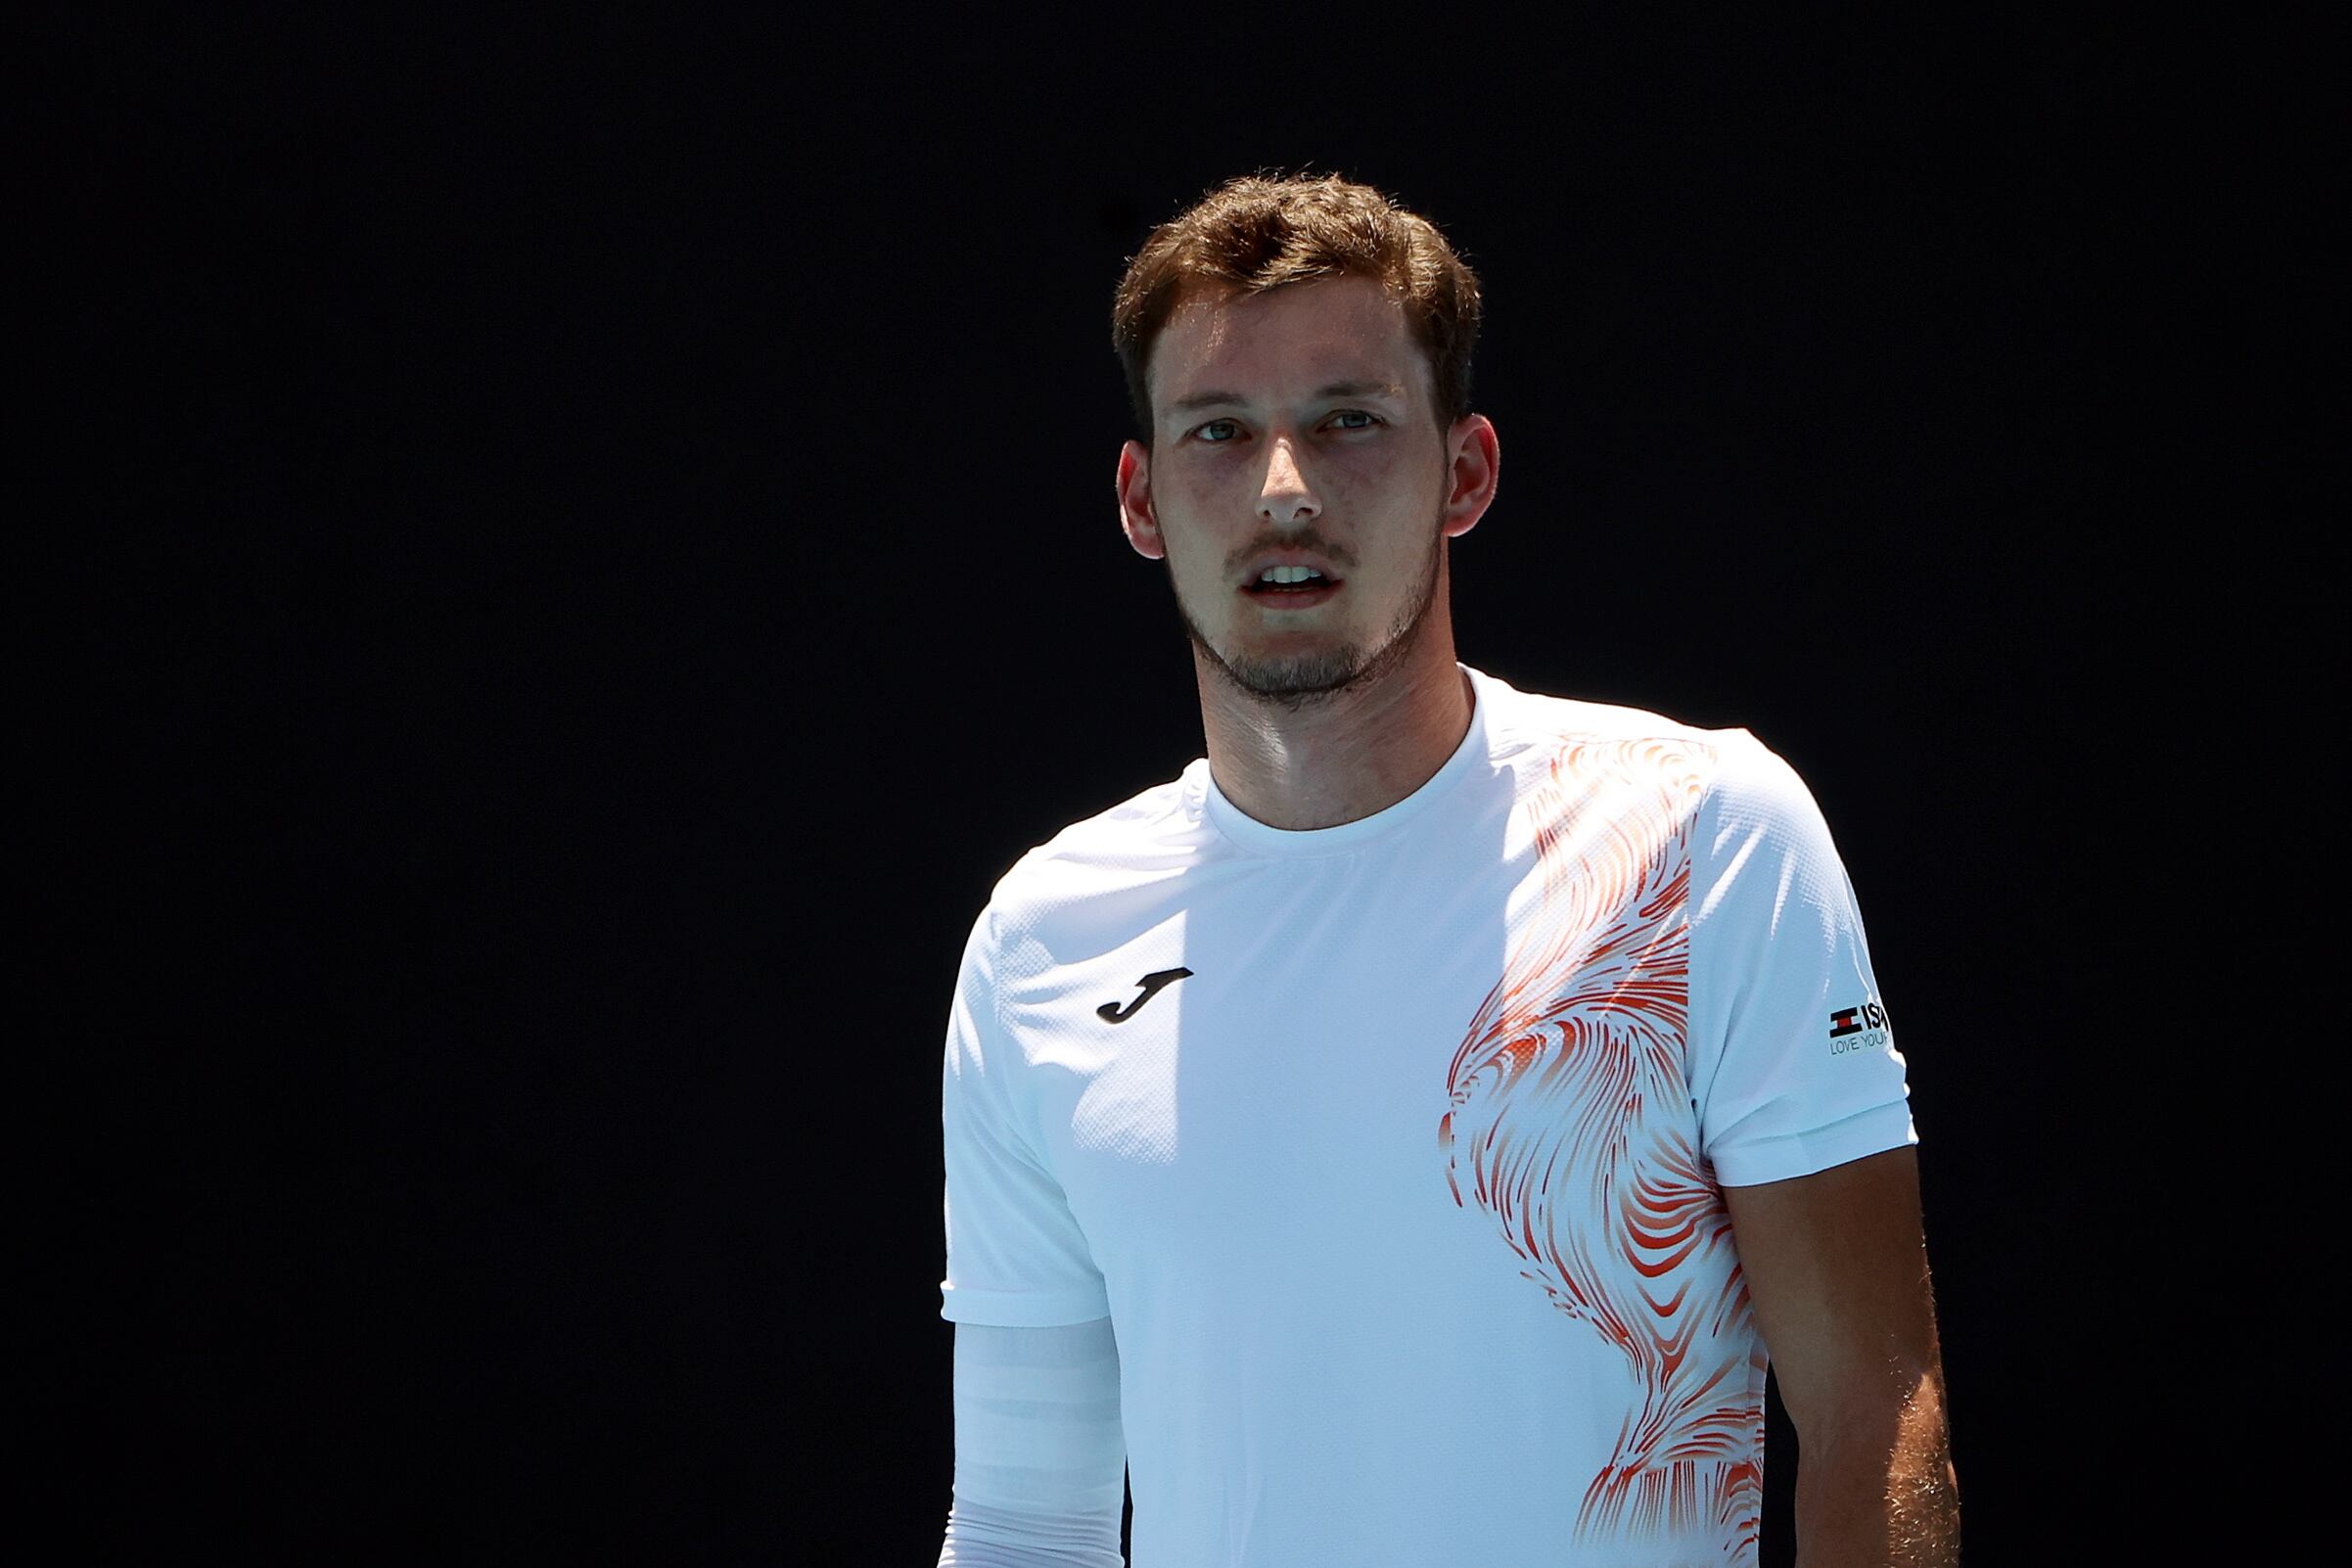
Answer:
(1292, 595)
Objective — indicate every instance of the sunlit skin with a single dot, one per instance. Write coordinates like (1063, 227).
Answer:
(1305, 418)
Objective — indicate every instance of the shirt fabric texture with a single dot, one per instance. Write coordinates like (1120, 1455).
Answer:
(1394, 1151)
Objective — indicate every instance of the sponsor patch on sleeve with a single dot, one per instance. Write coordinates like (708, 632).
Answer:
(1860, 1028)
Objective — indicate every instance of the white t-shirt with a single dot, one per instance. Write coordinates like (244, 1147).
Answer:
(1394, 1150)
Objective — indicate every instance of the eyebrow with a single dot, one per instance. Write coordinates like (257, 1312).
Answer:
(1338, 389)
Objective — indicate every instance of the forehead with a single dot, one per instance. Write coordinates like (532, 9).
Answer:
(1298, 336)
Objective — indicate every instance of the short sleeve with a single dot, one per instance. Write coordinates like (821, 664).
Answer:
(1793, 1061)
(1016, 1257)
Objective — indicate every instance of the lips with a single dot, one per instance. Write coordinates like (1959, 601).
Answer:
(1281, 596)
(1287, 558)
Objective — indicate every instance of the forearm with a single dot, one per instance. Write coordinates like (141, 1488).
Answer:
(1879, 1492)
(1040, 1458)
(983, 1537)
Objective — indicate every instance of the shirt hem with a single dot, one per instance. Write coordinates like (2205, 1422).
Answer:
(1867, 1132)
(1023, 1309)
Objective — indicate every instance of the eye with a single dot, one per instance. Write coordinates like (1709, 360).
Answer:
(1347, 418)
(1216, 431)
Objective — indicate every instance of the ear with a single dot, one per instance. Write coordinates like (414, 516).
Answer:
(1473, 461)
(1135, 514)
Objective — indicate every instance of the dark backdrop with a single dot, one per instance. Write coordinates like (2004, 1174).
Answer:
(590, 547)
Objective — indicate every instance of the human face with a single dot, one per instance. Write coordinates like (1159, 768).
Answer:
(1298, 427)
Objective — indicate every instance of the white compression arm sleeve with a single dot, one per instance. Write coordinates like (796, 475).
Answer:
(1040, 1461)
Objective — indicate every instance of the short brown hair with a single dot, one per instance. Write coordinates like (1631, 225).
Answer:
(1260, 232)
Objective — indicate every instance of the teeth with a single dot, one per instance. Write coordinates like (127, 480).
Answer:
(1288, 574)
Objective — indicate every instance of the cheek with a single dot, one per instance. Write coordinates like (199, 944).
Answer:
(1396, 476)
(1398, 496)
(1194, 560)
(1195, 512)
(1383, 464)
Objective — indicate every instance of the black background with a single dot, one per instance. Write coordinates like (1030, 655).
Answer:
(586, 546)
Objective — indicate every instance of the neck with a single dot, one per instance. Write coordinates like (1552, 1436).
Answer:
(1340, 755)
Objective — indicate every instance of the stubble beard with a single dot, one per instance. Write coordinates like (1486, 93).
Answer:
(1298, 680)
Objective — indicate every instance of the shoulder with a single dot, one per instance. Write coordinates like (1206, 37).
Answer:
(1710, 760)
(1726, 777)
(1154, 834)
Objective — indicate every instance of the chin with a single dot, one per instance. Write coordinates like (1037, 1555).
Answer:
(1313, 664)
(1299, 674)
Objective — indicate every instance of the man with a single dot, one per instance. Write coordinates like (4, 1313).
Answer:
(1399, 1138)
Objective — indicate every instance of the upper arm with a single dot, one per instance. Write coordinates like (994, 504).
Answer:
(1016, 1254)
(1803, 1101)
(1792, 1060)
(1836, 1269)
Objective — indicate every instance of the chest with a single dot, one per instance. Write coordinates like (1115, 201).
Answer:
(1255, 1079)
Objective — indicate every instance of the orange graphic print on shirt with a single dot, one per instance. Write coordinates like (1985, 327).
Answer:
(1570, 1127)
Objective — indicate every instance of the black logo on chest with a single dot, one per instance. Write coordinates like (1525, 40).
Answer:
(1153, 984)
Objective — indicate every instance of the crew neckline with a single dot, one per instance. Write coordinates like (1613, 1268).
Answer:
(1265, 839)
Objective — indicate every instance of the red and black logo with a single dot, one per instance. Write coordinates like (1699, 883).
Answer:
(1857, 1029)
(1844, 1021)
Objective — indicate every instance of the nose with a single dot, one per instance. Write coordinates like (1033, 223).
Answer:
(1286, 496)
